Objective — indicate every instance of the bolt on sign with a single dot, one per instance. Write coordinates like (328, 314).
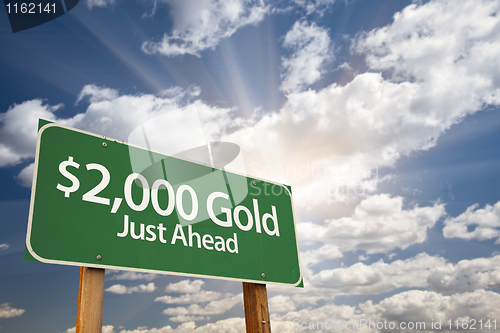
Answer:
(90, 208)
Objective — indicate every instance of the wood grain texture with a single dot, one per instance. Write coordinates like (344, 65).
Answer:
(90, 296)
(256, 308)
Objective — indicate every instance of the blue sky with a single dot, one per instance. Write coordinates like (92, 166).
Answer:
(389, 108)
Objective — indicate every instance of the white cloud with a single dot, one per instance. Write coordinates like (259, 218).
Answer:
(200, 25)
(378, 277)
(466, 275)
(97, 94)
(216, 307)
(378, 224)
(311, 50)
(427, 306)
(4, 246)
(25, 177)
(409, 306)
(184, 318)
(315, 6)
(117, 115)
(310, 258)
(99, 3)
(18, 130)
(281, 303)
(186, 327)
(284, 323)
(108, 114)
(132, 276)
(448, 50)
(198, 297)
(391, 255)
(121, 289)
(192, 295)
(486, 222)
(230, 325)
(105, 329)
(440, 42)
(179, 93)
(364, 258)
(6, 311)
(435, 64)
(422, 271)
(185, 287)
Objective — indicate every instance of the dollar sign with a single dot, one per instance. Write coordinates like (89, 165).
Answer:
(75, 182)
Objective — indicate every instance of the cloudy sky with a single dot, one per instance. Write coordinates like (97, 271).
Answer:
(381, 115)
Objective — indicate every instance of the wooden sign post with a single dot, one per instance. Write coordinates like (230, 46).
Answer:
(256, 308)
(91, 294)
(90, 299)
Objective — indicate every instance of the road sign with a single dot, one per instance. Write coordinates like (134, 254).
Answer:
(90, 208)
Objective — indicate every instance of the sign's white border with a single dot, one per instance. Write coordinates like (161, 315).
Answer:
(71, 263)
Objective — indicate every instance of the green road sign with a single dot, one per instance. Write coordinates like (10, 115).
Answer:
(100, 202)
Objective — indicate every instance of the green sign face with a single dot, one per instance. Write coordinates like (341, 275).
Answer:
(100, 202)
